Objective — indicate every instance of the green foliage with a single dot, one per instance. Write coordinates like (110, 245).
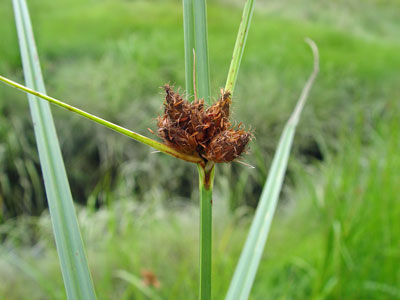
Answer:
(343, 210)
(188, 30)
(110, 66)
(344, 213)
(201, 47)
(74, 266)
(198, 81)
(239, 46)
(249, 261)
(345, 248)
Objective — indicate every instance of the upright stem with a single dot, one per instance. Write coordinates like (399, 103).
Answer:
(201, 47)
(188, 30)
(195, 29)
(206, 179)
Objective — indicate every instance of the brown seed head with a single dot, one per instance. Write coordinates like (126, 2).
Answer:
(227, 146)
(149, 278)
(190, 128)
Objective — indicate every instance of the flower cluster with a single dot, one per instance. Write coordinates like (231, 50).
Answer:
(193, 128)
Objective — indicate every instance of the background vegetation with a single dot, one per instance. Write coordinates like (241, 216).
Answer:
(337, 233)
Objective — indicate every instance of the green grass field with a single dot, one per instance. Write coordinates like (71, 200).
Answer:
(337, 231)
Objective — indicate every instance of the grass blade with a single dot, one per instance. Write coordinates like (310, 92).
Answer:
(188, 30)
(246, 269)
(239, 46)
(202, 67)
(74, 265)
(136, 136)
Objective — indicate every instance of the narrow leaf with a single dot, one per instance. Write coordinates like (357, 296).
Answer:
(246, 269)
(74, 265)
(136, 136)
(239, 46)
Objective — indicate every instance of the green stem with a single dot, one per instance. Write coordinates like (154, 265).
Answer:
(202, 69)
(188, 31)
(206, 172)
(239, 46)
(136, 136)
(206, 179)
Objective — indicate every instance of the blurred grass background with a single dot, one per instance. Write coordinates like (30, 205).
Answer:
(337, 232)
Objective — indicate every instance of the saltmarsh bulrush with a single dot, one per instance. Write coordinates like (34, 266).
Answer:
(196, 132)
(193, 128)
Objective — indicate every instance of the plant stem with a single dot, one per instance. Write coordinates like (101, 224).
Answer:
(239, 46)
(188, 31)
(136, 136)
(202, 69)
(195, 14)
(206, 179)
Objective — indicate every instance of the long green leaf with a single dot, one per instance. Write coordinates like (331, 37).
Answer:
(239, 46)
(74, 265)
(136, 136)
(246, 269)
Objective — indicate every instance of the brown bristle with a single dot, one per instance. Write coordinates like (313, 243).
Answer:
(227, 146)
(189, 127)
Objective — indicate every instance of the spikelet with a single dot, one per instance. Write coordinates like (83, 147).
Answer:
(190, 128)
(227, 146)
